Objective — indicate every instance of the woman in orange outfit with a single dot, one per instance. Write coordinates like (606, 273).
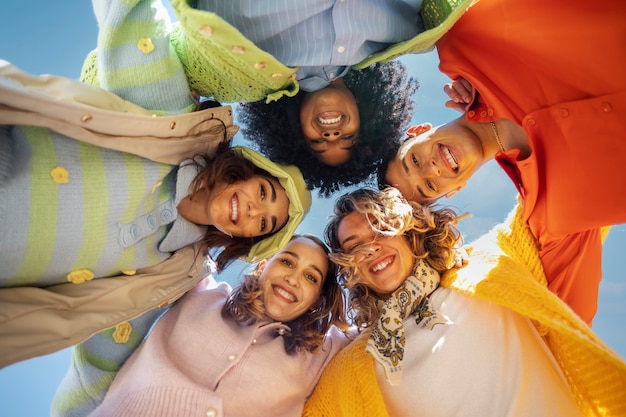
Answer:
(547, 100)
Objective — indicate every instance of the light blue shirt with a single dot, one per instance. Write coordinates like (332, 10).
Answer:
(323, 38)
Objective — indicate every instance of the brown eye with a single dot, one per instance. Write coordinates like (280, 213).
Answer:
(311, 278)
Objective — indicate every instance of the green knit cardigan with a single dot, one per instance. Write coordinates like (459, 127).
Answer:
(220, 62)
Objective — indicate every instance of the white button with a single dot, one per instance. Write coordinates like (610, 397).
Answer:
(211, 412)
(232, 357)
(254, 341)
(331, 75)
(341, 49)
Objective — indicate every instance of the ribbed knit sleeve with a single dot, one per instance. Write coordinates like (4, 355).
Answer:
(95, 363)
(221, 62)
(202, 51)
(348, 385)
(505, 269)
(135, 59)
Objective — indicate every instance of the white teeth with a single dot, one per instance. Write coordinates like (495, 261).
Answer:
(450, 158)
(382, 265)
(330, 121)
(285, 294)
(233, 206)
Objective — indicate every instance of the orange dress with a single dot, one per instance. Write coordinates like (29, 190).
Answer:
(559, 71)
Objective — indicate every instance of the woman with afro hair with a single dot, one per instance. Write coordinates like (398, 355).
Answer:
(288, 130)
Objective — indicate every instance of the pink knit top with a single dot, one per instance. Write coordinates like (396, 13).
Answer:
(198, 363)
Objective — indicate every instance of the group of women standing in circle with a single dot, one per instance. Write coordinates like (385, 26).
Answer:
(407, 324)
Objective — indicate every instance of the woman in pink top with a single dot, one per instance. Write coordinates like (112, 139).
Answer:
(257, 350)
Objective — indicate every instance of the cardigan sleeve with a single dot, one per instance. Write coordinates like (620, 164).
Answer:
(95, 362)
(216, 59)
(134, 57)
(348, 385)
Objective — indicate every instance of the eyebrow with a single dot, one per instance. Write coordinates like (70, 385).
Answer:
(419, 189)
(295, 255)
(347, 240)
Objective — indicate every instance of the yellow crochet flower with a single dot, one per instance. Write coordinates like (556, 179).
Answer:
(122, 332)
(79, 276)
(145, 45)
(60, 175)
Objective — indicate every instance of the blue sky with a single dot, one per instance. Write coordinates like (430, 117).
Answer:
(54, 37)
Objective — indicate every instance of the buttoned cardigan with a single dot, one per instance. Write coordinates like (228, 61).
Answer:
(220, 62)
(196, 361)
(37, 321)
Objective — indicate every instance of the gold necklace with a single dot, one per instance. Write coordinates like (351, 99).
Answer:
(495, 132)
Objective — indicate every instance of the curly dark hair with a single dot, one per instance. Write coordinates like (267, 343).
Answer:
(225, 167)
(383, 94)
(386, 158)
(307, 331)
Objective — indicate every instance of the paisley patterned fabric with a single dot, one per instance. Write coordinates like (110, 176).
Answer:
(386, 342)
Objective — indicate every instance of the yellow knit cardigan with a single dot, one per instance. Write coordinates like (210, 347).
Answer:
(504, 268)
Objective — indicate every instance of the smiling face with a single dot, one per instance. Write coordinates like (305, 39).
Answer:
(292, 279)
(436, 163)
(383, 262)
(254, 207)
(330, 122)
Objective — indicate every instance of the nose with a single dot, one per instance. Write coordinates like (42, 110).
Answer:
(373, 248)
(291, 280)
(256, 208)
(332, 135)
(252, 209)
(431, 169)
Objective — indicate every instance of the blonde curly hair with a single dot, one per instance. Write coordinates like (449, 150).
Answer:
(430, 232)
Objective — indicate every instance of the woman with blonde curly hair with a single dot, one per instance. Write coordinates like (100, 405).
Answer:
(425, 350)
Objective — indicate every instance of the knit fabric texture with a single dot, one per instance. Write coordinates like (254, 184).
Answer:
(511, 275)
(220, 62)
(105, 211)
(95, 363)
(504, 268)
(135, 59)
(73, 207)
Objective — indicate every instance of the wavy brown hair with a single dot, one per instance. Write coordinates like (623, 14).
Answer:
(431, 234)
(225, 167)
(307, 331)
